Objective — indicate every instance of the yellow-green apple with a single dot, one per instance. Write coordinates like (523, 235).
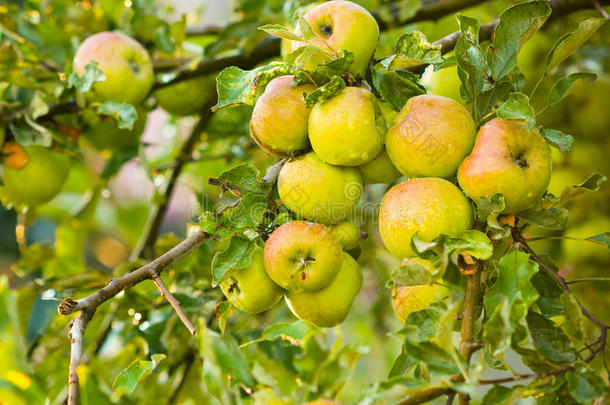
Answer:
(443, 82)
(125, 63)
(379, 170)
(348, 129)
(507, 158)
(412, 298)
(250, 289)
(103, 132)
(302, 256)
(347, 233)
(430, 137)
(318, 191)
(32, 175)
(342, 25)
(279, 119)
(428, 206)
(187, 97)
(329, 306)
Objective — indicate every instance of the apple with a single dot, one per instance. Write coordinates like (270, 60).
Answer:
(38, 180)
(124, 61)
(250, 289)
(429, 206)
(302, 256)
(379, 170)
(187, 97)
(348, 129)
(412, 298)
(443, 82)
(318, 191)
(279, 119)
(430, 137)
(507, 158)
(329, 306)
(103, 132)
(347, 233)
(342, 25)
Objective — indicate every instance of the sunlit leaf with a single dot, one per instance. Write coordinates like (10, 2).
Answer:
(128, 379)
(568, 43)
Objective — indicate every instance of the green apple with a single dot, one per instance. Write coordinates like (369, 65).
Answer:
(430, 137)
(348, 129)
(250, 289)
(342, 25)
(302, 256)
(39, 180)
(187, 97)
(347, 233)
(413, 298)
(125, 63)
(379, 170)
(279, 119)
(429, 206)
(103, 132)
(329, 306)
(443, 82)
(318, 191)
(507, 158)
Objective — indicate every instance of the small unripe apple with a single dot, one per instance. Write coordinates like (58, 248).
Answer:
(103, 132)
(124, 61)
(329, 306)
(413, 298)
(302, 256)
(187, 97)
(444, 82)
(348, 129)
(318, 191)
(250, 289)
(429, 206)
(430, 137)
(507, 158)
(347, 233)
(379, 170)
(342, 25)
(279, 119)
(39, 180)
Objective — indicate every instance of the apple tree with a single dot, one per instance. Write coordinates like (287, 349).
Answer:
(332, 202)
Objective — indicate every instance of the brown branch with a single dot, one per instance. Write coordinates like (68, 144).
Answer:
(426, 395)
(174, 303)
(77, 330)
(467, 342)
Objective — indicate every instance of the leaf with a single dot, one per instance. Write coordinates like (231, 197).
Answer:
(280, 31)
(488, 210)
(517, 107)
(472, 242)
(412, 49)
(397, 86)
(563, 85)
(568, 43)
(499, 394)
(590, 185)
(236, 86)
(223, 309)
(118, 159)
(244, 178)
(235, 256)
(26, 135)
(558, 139)
(470, 59)
(584, 385)
(325, 92)
(294, 333)
(574, 320)
(602, 238)
(222, 352)
(411, 274)
(550, 340)
(552, 218)
(436, 358)
(91, 74)
(128, 379)
(517, 24)
(126, 114)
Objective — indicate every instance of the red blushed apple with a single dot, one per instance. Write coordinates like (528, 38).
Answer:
(507, 158)
(124, 61)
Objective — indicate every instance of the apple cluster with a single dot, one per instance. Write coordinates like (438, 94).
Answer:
(337, 146)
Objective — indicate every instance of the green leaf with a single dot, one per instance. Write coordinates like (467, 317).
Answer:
(436, 358)
(568, 43)
(397, 86)
(118, 159)
(91, 74)
(244, 178)
(126, 114)
(470, 59)
(499, 395)
(558, 139)
(411, 274)
(584, 385)
(325, 92)
(25, 134)
(128, 379)
(221, 352)
(472, 242)
(564, 84)
(294, 333)
(235, 256)
(412, 49)
(517, 24)
(552, 218)
(550, 340)
(602, 238)
(305, 28)
(517, 107)
(280, 31)
(224, 309)
(488, 210)
(590, 185)
(574, 320)
(236, 86)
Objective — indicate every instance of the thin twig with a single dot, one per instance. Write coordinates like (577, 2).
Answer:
(174, 303)
(471, 302)
(601, 10)
(77, 330)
